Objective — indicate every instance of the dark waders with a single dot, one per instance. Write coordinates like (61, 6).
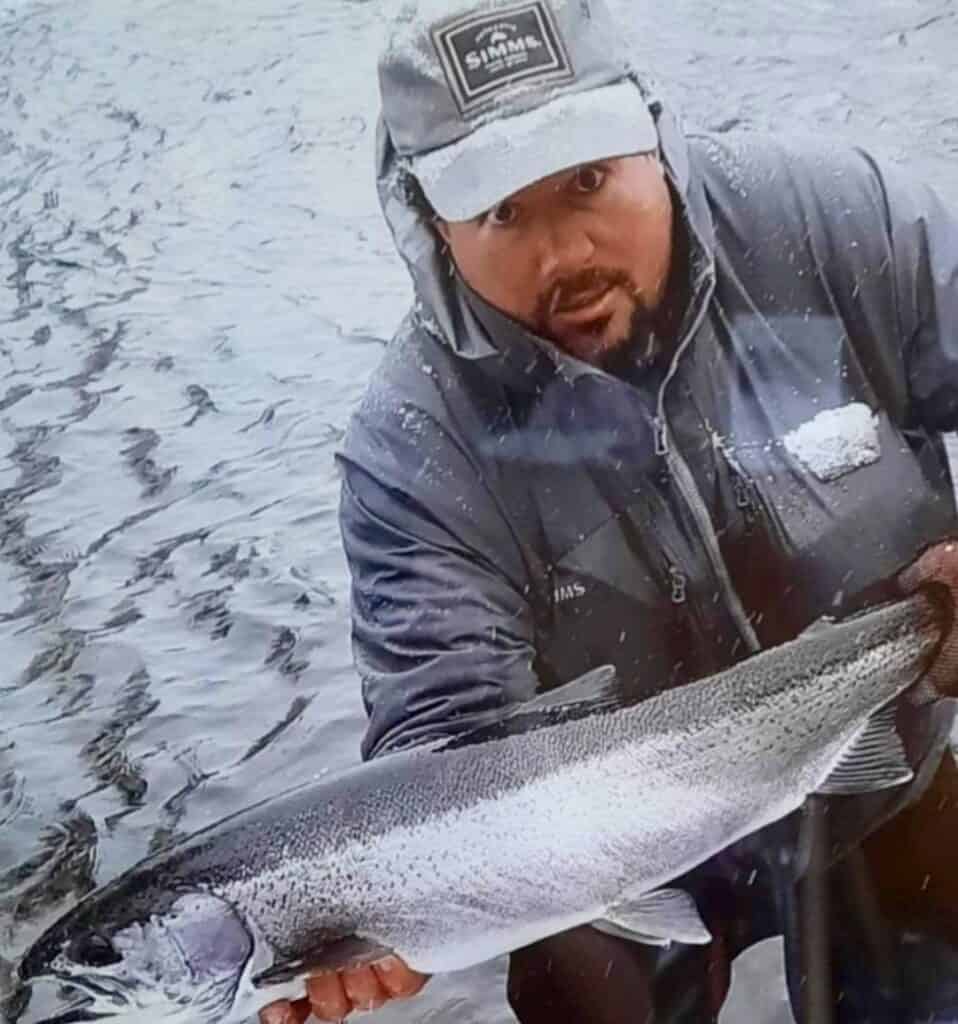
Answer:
(814, 913)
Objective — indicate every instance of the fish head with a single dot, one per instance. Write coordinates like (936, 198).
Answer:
(177, 961)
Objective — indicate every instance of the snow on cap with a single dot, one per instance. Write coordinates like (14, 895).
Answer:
(484, 98)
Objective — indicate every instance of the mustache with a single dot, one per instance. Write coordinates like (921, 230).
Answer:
(565, 292)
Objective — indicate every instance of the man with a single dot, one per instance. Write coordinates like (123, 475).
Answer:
(662, 401)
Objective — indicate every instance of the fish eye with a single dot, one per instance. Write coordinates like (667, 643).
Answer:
(93, 950)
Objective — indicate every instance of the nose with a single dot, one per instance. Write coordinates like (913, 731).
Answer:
(563, 246)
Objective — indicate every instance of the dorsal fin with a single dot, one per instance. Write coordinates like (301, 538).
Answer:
(587, 694)
(597, 688)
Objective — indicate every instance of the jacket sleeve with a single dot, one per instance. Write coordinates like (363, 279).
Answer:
(442, 631)
(924, 250)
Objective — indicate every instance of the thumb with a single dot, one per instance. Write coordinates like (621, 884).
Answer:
(937, 564)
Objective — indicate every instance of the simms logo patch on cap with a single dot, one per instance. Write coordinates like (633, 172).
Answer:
(483, 53)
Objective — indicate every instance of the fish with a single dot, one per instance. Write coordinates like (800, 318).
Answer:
(576, 807)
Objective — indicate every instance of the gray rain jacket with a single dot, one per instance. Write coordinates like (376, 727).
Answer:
(513, 517)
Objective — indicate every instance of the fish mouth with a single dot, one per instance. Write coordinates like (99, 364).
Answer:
(81, 1010)
(77, 1015)
(89, 1002)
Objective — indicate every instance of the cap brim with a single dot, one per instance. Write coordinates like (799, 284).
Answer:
(505, 155)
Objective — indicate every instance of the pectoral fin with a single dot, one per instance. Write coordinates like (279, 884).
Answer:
(875, 760)
(349, 951)
(656, 919)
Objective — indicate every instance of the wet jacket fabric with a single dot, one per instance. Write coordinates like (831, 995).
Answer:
(513, 517)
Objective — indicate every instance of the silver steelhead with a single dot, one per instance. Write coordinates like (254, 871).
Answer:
(574, 808)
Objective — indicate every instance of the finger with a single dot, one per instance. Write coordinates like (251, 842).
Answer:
(327, 997)
(285, 1012)
(363, 989)
(397, 979)
(937, 564)
(300, 1010)
(943, 674)
(914, 576)
(279, 1012)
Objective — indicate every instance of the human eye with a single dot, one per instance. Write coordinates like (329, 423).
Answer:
(501, 215)
(589, 178)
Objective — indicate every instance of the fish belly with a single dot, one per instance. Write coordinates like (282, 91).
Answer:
(481, 881)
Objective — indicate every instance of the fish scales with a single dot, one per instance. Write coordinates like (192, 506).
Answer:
(533, 799)
(453, 854)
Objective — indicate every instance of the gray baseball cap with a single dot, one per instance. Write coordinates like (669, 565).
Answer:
(483, 98)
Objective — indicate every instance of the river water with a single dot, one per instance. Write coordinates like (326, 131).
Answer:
(195, 285)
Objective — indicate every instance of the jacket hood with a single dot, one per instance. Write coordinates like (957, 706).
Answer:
(448, 309)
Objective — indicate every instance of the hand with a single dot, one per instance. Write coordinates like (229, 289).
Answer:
(939, 564)
(333, 995)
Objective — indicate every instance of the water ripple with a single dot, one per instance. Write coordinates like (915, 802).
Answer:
(198, 285)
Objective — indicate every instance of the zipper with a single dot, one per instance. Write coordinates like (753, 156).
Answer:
(685, 483)
(742, 486)
(679, 582)
(745, 501)
(742, 499)
(661, 438)
(689, 492)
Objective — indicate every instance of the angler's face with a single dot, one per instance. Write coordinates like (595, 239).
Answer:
(578, 256)
(180, 965)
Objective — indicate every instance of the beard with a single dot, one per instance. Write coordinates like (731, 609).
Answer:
(602, 341)
(637, 350)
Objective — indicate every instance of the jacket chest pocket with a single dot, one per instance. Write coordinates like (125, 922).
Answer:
(848, 502)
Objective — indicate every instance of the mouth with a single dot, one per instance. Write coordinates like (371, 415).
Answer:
(78, 1015)
(90, 1001)
(585, 310)
(79, 1011)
